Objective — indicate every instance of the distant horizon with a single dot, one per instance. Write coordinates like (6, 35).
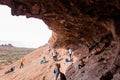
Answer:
(18, 44)
(22, 31)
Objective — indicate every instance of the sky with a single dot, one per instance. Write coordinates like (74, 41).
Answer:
(21, 31)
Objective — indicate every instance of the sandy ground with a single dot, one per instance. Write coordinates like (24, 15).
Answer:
(33, 70)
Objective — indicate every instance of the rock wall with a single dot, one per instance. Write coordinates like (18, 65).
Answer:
(75, 23)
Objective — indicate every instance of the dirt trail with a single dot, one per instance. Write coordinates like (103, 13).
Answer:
(33, 70)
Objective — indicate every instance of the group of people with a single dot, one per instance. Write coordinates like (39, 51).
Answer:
(12, 68)
(93, 49)
(69, 57)
(57, 71)
(54, 56)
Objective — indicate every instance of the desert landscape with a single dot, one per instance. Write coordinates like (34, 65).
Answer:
(10, 54)
(33, 70)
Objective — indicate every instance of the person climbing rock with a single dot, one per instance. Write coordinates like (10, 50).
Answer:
(10, 70)
(21, 63)
(43, 60)
(81, 64)
(54, 54)
(56, 71)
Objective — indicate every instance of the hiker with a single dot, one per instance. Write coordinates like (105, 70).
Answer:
(54, 54)
(81, 64)
(68, 59)
(56, 71)
(93, 45)
(10, 70)
(21, 63)
(43, 60)
(70, 52)
(98, 50)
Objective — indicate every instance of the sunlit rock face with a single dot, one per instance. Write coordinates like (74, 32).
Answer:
(76, 23)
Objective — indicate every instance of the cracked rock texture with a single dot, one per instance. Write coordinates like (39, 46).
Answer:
(77, 24)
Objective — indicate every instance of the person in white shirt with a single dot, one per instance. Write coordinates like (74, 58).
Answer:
(54, 54)
(70, 52)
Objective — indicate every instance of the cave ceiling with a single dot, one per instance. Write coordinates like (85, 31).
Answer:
(72, 21)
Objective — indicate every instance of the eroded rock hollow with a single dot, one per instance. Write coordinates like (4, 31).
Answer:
(78, 24)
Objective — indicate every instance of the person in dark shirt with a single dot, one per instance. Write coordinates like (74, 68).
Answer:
(10, 70)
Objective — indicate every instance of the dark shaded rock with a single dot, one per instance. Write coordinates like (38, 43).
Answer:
(71, 20)
(108, 76)
(77, 24)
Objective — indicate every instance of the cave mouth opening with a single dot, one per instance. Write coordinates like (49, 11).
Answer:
(21, 31)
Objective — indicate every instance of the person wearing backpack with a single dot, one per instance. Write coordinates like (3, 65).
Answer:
(56, 71)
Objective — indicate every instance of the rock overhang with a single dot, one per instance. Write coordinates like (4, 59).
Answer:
(72, 22)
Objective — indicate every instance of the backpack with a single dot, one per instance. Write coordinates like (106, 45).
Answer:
(58, 66)
(62, 76)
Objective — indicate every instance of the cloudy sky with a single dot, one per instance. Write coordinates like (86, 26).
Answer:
(22, 31)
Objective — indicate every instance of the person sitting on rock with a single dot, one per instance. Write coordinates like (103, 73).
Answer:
(93, 45)
(68, 59)
(98, 50)
(81, 64)
(43, 60)
(10, 70)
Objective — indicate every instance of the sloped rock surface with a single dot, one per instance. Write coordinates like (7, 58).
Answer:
(78, 24)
